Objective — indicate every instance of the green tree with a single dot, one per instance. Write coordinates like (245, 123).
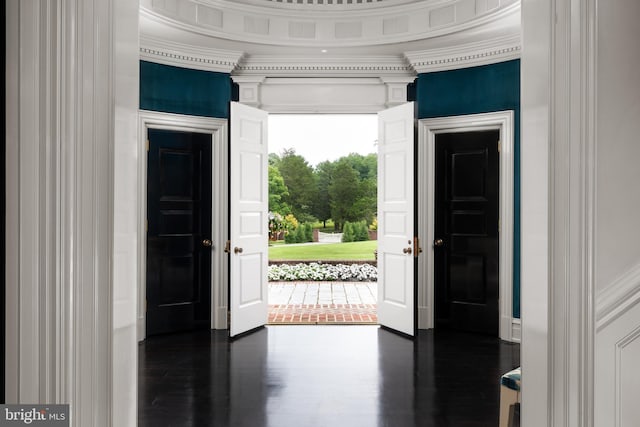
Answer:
(366, 203)
(343, 192)
(365, 165)
(300, 181)
(324, 177)
(274, 159)
(278, 191)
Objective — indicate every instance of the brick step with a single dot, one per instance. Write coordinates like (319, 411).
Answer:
(322, 314)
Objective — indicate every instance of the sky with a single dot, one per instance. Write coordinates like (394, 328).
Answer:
(320, 137)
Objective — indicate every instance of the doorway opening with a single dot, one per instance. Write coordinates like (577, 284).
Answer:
(322, 219)
(429, 131)
(187, 218)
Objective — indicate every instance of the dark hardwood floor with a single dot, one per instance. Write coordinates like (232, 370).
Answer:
(325, 376)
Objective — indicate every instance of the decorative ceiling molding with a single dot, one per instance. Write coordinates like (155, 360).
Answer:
(188, 56)
(289, 66)
(466, 55)
(366, 26)
(325, 4)
(322, 94)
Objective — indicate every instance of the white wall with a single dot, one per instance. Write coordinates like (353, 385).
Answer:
(617, 260)
(618, 147)
(126, 84)
(71, 248)
(581, 256)
(534, 281)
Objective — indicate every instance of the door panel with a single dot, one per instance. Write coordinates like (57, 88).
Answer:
(396, 308)
(249, 222)
(466, 220)
(179, 219)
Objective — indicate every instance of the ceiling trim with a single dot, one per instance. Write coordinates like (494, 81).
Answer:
(367, 27)
(466, 55)
(298, 95)
(188, 56)
(326, 4)
(362, 66)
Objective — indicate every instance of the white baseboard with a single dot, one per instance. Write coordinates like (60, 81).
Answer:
(424, 318)
(142, 332)
(510, 329)
(220, 318)
(516, 330)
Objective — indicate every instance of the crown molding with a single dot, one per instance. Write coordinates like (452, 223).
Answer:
(188, 56)
(296, 27)
(297, 66)
(324, 5)
(466, 55)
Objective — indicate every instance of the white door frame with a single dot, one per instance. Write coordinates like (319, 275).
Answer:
(217, 128)
(428, 129)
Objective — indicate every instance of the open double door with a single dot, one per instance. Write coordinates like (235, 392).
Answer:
(248, 247)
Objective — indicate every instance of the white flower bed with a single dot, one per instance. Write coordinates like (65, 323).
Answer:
(323, 272)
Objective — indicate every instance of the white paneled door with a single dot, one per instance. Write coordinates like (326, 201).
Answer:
(396, 308)
(248, 247)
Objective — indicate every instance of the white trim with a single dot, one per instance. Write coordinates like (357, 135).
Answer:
(618, 298)
(318, 66)
(559, 75)
(70, 307)
(516, 330)
(166, 52)
(473, 54)
(322, 94)
(217, 128)
(428, 128)
(325, 5)
(423, 20)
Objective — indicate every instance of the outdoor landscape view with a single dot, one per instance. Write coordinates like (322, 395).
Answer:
(322, 236)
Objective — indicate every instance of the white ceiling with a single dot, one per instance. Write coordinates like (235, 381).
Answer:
(297, 31)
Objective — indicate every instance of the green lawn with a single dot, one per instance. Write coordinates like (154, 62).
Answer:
(356, 251)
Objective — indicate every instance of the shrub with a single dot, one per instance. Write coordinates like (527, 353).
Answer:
(291, 223)
(348, 233)
(323, 272)
(308, 232)
(360, 231)
(301, 234)
(355, 231)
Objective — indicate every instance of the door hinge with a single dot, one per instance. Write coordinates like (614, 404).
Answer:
(417, 250)
(499, 146)
(147, 145)
(227, 246)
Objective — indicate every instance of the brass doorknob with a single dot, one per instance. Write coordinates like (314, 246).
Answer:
(406, 251)
(237, 250)
(438, 243)
(207, 243)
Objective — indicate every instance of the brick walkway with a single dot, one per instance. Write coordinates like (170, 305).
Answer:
(323, 303)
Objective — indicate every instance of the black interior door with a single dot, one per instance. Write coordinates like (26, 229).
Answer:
(179, 222)
(466, 231)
